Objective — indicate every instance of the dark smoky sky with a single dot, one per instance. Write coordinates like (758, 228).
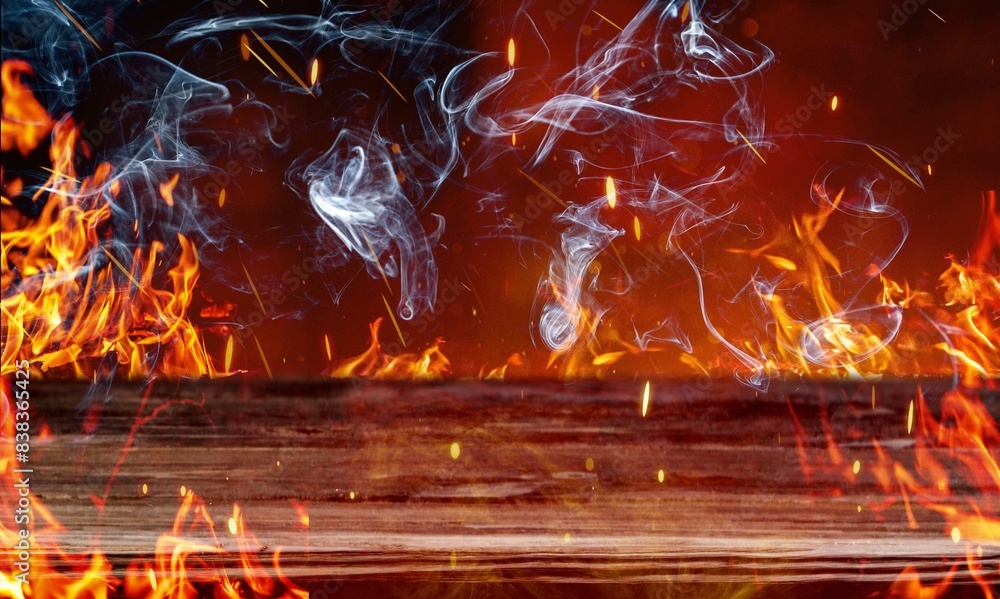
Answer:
(902, 76)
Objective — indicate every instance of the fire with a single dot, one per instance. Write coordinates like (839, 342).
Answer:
(25, 121)
(69, 299)
(956, 450)
(431, 364)
(188, 561)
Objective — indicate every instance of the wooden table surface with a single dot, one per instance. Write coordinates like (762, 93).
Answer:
(518, 506)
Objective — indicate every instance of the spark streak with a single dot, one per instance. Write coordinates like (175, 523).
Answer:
(895, 166)
(747, 141)
(283, 64)
(392, 316)
(121, 267)
(612, 23)
(545, 189)
(263, 358)
(394, 88)
(377, 262)
(254, 288)
(78, 25)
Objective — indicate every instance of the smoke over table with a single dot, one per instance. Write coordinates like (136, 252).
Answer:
(528, 298)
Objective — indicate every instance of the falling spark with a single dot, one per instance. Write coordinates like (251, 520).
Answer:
(58, 174)
(747, 141)
(121, 267)
(544, 189)
(686, 11)
(352, 495)
(956, 535)
(378, 263)
(660, 476)
(937, 15)
(608, 20)
(645, 399)
(611, 192)
(222, 198)
(152, 578)
(247, 52)
(454, 560)
(245, 47)
(314, 72)
(394, 88)
(909, 419)
(513, 139)
(589, 464)
(392, 316)
(263, 358)
(78, 25)
(511, 52)
(184, 491)
(597, 92)
(282, 62)
(566, 538)
(895, 167)
(254, 288)
(857, 466)
(326, 342)
(232, 526)
(229, 353)
(145, 489)
(930, 170)
(455, 450)
(873, 398)
(636, 228)
(833, 104)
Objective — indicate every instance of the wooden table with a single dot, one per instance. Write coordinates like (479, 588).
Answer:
(553, 484)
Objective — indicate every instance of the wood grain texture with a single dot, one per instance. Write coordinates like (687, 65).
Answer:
(518, 506)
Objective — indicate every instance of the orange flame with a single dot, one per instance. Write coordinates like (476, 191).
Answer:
(67, 297)
(25, 121)
(431, 364)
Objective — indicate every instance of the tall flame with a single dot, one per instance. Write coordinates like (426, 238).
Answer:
(70, 295)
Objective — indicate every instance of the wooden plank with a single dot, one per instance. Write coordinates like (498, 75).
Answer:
(519, 504)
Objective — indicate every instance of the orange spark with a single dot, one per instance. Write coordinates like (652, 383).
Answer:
(282, 62)
(610, 192)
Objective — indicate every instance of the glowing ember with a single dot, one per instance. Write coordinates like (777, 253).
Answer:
(645, 399)
(610, 192)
